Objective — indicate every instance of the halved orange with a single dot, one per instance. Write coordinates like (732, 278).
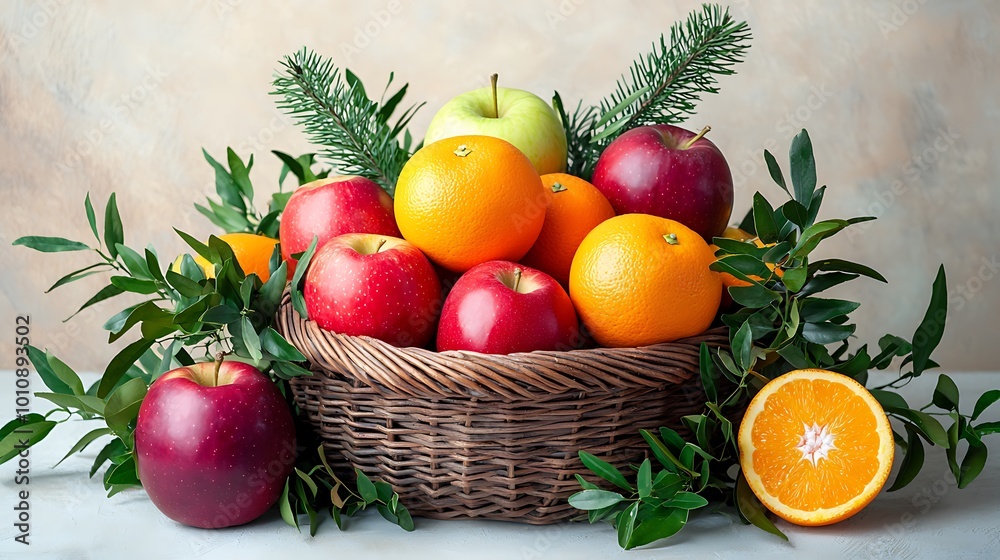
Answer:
(815, 446)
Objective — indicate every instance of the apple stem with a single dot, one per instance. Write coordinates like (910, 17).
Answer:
(517, 278)
(218, 365)
(380, 244)
(496, 106)
(697, 137)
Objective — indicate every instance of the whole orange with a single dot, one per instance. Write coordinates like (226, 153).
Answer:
(252, 252)
(574, 208)
(470, 199)
(638, 280)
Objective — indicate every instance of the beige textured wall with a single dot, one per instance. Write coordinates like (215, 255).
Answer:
(900, 97)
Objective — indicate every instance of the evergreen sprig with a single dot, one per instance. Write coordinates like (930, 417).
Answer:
(354, 132)
(662, 86)
(782, 323)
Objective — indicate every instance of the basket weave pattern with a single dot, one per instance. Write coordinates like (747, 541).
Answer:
(462, 434)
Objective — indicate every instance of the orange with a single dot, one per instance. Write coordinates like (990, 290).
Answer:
(470, 199)
(252, 252)
(815, 446)
(638, 280)
(574, 208)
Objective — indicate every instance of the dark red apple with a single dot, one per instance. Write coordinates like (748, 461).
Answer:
(333, 206)
(669, 172)
(214, 443)
(500, 307)
(363, 284)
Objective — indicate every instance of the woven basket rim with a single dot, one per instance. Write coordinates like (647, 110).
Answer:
(422, 373)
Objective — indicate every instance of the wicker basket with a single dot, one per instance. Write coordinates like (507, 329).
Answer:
(462, 434)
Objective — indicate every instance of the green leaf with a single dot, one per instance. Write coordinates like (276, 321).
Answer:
(40, 360)
(928, 426)
(405, 522)
(91, 217)
(664, 524)
(134, 285)
(120, 364)
(300, 269)
(184, 285)
(747, 265)
(221, 315)
(972, 465)
(803, 167)
(775, 171)
(946, 393)
(795, 213)
(589, 500)
(285, 506)
(366, 488)
(987, 428)
(86, 440)
(763, 219)
(241, 173)
(840, 265)
(50, 244)
(113, 233)
(826, 333)
(85, 403)
(753, 296)
(644, 478)
(817, 310)
(662, 454)
(889, 399)
(198, 246)
(113, 449)
(274, 344)
(626, 524)
(795, 278)
(822, 282)
(23, 436)
(292, 165)
(65, 374)
(250, 339)
(814, 205)
(123, 406)
(605, 470)
(288, 370)
(913, 460)
(687, 501)
(707, 369)
(225, 186)
(928, 334)
(984, 402)
(742, 346)
(270, 293)
(78, 274)
(617, 109)
(752, 509)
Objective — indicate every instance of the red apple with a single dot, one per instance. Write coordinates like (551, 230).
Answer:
(500, 307)
(669, 172)
(363, 284)
(214, 444)
(333, 206)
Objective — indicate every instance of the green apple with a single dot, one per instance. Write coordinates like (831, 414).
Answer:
(519, 117)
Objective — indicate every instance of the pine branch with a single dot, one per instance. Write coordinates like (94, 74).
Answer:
(662, 86)
(353, 131)
(579, 128)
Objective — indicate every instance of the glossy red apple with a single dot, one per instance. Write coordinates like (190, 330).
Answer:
(214, 445)
(330, 207)
(363, 284)
(500, 307)
(669, 172)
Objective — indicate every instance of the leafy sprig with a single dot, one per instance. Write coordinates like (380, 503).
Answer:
(662, 86)
(186, 316)
(782, 322)
(354, 131)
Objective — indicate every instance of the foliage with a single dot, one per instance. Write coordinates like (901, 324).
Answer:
(662, 86)
(185, 317)
(783, 323)
(334, 109)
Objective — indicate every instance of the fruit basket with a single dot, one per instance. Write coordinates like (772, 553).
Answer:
(463, 434)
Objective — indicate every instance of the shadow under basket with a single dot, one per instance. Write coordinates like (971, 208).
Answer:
(469, 435)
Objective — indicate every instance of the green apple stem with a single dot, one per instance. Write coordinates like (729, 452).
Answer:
(697, 137)
(496, 106)
(517, 278)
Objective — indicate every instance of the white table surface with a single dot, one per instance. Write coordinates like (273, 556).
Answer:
(72, 519)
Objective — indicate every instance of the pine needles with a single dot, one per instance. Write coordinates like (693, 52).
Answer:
(662, 86)
(353, 131)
